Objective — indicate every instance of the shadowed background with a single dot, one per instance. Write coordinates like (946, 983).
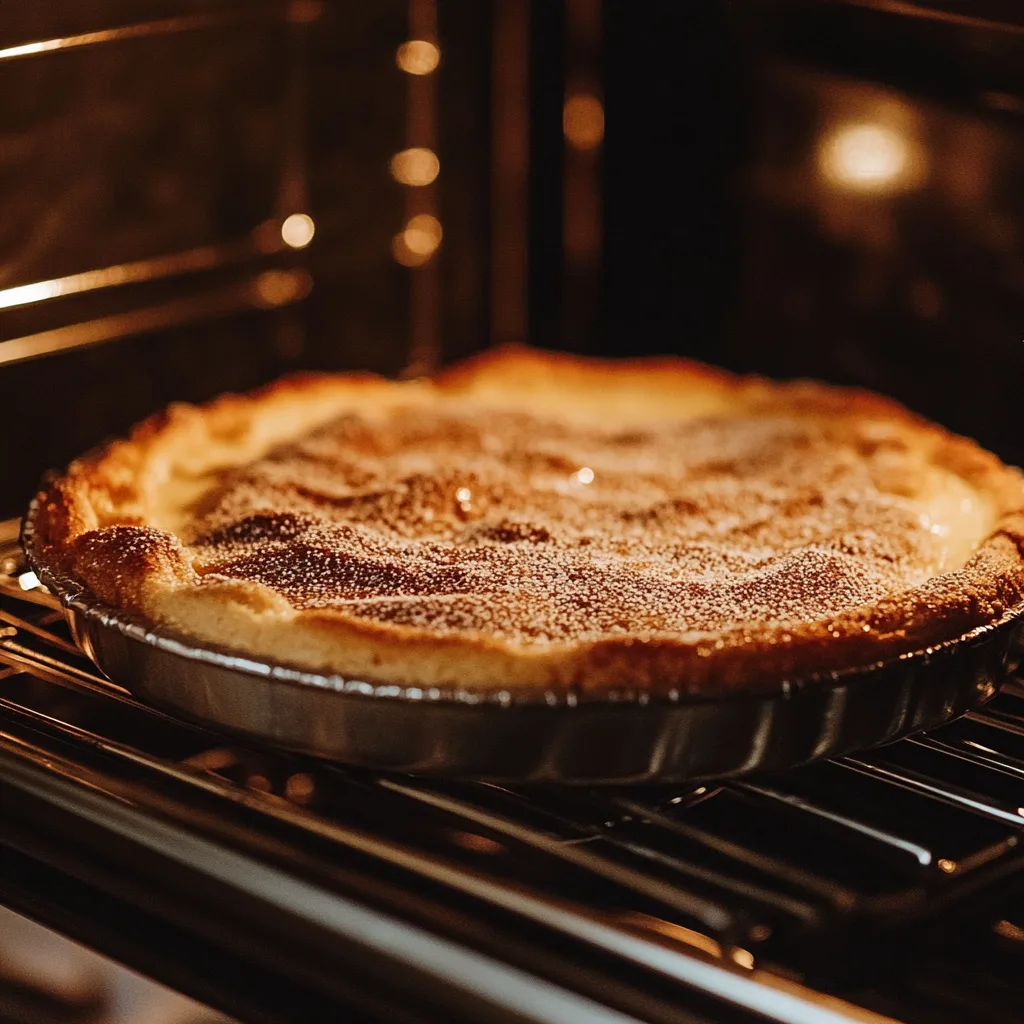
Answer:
(829, 189)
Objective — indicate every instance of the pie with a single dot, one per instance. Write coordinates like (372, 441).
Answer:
(527, 519)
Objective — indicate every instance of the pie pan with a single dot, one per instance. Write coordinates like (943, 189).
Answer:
(623, 735)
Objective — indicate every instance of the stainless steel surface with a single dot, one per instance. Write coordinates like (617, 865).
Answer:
(525, 735)
(41, 969)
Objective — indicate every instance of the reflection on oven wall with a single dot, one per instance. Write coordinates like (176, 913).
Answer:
(46, 978)
(886, 246)
(146, 174)
(823, 189)
(885, 200)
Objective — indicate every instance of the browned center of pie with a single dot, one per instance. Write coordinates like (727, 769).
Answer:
(532, 529)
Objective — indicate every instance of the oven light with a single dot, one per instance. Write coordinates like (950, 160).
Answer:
(742, 957)
(476, 843)
(415, 166)
(418, 242)
(300, 788)
(583, 121)
(866, 157)
(418, 57)
(279, 287)
(1009, 930)
(298, 230)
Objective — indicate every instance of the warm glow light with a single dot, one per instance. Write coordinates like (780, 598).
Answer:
(583, 121)
(300, 788)
(644, 922)
(743, 957)
(24, 294)
(279, 287)
(416, 166)
(585, 475)
(418, 57)
(403, 254)
(1009, 930)
(26, 49)
(477, 843)
(418, 242)
(28, 581)
(865, 157)
(423, 234)
(464, 494)
(298, 230)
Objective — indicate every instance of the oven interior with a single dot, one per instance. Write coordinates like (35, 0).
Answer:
(199, 196)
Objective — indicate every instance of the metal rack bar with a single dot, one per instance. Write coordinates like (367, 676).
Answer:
(908, 9)
(825, 889)
(725, 982)
(715, 919)
(142, 30)
(483, 988)
(683, 912)
(947, 793)
(922, 855)
(265, 240)
(269, 290)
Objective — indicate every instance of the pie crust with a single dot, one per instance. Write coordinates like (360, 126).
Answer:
(531, 519)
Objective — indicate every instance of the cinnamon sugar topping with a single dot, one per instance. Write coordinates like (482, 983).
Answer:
(535, 530)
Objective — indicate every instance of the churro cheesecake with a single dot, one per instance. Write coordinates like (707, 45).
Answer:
(527, 519)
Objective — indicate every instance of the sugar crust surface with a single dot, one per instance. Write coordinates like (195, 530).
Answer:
(531, 520)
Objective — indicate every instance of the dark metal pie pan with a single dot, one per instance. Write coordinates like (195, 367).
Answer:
(620, 736)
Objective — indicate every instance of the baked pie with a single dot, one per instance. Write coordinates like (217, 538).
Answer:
(531, 519)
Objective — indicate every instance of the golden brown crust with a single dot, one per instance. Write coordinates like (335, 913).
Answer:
(173, 525)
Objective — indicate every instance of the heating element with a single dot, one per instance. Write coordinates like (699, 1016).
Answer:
(880, 886)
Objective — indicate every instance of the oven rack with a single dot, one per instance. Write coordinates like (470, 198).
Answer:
(885, 886)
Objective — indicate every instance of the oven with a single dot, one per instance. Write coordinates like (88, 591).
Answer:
(200, 196)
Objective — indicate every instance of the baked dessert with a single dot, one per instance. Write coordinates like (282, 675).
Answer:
(529, 519)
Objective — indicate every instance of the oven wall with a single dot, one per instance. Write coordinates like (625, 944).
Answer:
(140, 171)
(823, 189)
(784, 186)
(884, 206)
